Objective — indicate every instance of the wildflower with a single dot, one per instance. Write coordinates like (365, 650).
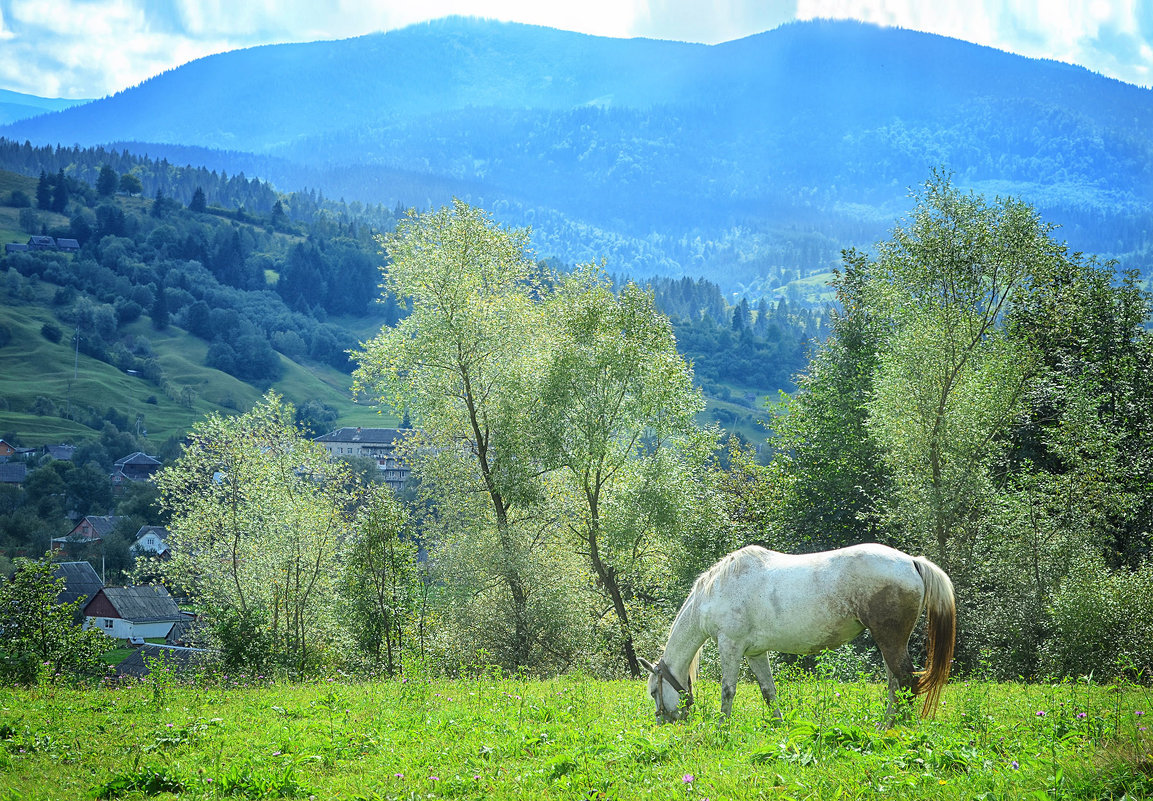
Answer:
(1014, 765)
(1138, 713)
(1081, 715)
(1040, 713)
(688, 778)
(399, 775)
(434, 778)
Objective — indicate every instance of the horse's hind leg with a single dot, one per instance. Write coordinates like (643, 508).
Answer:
(902, 682)
(730, 654)
(764, 673)
(891, 618)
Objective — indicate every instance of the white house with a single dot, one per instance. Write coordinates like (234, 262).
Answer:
(378, 444)
(151, 539)
(127, 612)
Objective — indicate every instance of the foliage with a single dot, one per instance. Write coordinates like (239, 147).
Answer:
(383, 582)
(39, 637)
(1102, 620)
(984, 397)
(618, 424)
(257, 513)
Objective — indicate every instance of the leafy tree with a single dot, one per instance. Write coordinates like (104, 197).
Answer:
(458, 366)
(382, 579)
(258, 512)
(130, 184)
(618, 399)
(38, 636)
(950, 379)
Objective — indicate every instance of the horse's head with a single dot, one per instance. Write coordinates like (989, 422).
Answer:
(671, 697)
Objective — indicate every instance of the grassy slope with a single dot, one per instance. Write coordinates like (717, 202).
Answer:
(31, 366)
(10, 217)
(563, 739)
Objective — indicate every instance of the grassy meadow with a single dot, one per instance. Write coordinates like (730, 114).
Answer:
(571, 737)
(32, 366)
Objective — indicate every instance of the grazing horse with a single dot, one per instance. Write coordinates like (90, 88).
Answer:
(755, 600)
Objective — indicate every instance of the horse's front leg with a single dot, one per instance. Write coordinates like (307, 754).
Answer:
(730, 653)
(764, 673)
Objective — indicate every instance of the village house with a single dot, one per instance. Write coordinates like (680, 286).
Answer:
(80, 582)
(378, 444)
(177, 659)
(151, 540)
(134, 467)
(13, 473)
(60, 453)
(91, 528)
(126, 613)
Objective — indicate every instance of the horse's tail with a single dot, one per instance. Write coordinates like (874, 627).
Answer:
(941, 609)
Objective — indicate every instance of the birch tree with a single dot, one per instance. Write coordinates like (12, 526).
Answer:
(462, 367)
(619, 425)
(258, 512)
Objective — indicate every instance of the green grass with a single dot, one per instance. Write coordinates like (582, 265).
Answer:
(31, 366)
(563, 739)
(813, 290)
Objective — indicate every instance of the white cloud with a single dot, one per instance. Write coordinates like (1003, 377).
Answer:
(1103, 35)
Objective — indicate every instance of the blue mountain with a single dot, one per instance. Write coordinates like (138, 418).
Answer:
(16, 106)
(751, 162)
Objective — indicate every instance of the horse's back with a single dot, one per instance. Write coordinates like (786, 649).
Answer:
(801, 603)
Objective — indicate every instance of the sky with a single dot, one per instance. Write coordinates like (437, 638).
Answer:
(92, 48)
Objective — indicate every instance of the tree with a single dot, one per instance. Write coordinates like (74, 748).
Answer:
(107, 182)
(43, 192)
(130, 184)
(619, 399)
(278, 220)
(60, 193)
(382, 579)
(159, 311)
(258, 512)
(950, 378)
(38, 636)
(458, 366)
(198, 203)
(827, 462)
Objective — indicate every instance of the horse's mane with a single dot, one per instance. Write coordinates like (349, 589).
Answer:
(733, 563)
(730, 564)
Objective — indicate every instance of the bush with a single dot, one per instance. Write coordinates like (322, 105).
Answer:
(1103, 622)
(51, 332)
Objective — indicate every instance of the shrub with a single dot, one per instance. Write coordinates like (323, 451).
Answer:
(51, 332)
(1103, 622)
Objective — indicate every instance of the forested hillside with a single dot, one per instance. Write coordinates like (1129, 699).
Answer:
(256, 284)
(751, 163)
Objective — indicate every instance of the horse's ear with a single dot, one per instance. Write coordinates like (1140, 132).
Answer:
(646, 664)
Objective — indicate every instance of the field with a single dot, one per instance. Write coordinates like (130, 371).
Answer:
(487, 737)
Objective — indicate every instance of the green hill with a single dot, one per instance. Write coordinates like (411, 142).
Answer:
(50, 393)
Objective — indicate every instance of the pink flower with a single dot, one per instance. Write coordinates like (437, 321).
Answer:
(688, 778)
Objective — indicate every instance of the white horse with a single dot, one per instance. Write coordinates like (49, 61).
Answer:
(755, 600)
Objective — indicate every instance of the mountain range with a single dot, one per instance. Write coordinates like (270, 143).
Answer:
(752, 163)
(16, 106)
